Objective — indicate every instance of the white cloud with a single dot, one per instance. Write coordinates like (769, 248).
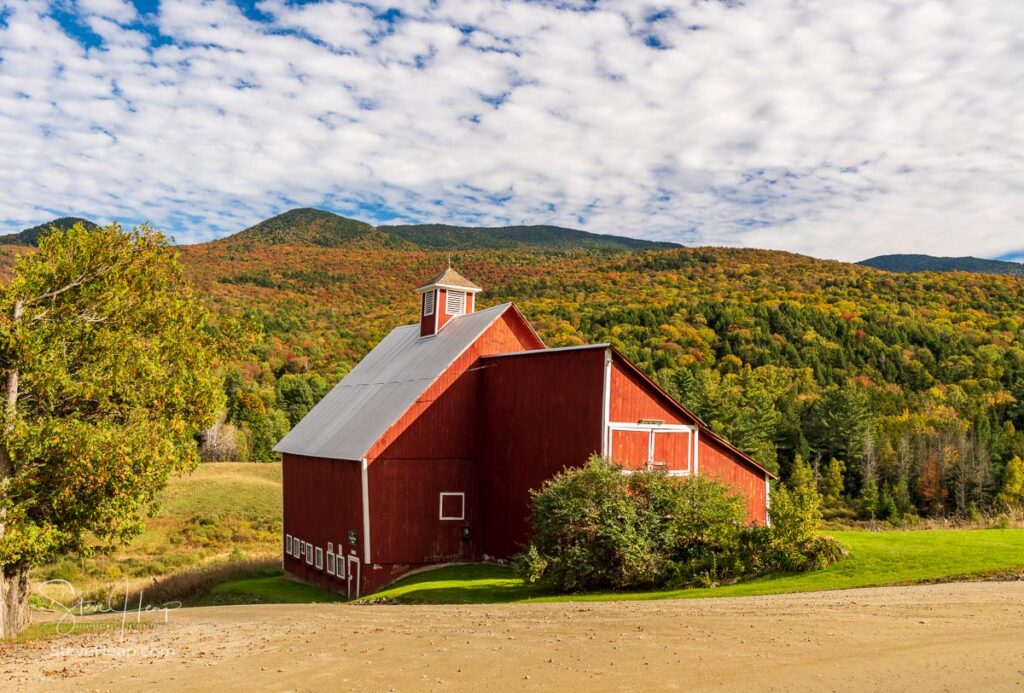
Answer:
(842, 130)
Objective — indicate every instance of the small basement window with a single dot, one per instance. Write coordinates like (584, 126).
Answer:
(428, 302)
(330, 563)
(453, 506)
(455, 303)
(309, 553)
(319, 558)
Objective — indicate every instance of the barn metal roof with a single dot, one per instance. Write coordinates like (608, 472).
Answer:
(375, 394)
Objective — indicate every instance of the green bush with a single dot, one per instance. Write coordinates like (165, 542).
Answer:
(596, 528)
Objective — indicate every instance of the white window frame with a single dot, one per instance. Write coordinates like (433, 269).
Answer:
(462, 512)
(429, 300)
(330, 563)
(460, 305)
(339, 564)
(319, 558)
(308, 548)
(652, 430)
(288, 544)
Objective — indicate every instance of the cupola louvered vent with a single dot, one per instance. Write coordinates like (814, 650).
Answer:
(455, 303)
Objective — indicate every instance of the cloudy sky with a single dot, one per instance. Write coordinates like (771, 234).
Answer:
(838, 129)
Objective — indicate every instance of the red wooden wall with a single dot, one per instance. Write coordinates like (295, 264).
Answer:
(322, 503)
(632, 398)
(542, 413)
(717, 461)
(427, 322)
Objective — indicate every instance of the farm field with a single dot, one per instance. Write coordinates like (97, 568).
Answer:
(221, 513)
(956, 636)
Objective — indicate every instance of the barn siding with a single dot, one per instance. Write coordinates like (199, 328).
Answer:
(542, 413)
(322, 503)
(719, 462)
(633, 399)
(405, 510)
(630, 449)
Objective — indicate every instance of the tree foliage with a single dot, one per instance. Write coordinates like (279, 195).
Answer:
(113, 365)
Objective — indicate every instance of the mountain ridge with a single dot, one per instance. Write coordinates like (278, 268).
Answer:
(317, 227)
(932, 263)
(30, 236)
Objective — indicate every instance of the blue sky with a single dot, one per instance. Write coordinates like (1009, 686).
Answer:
(842, 130)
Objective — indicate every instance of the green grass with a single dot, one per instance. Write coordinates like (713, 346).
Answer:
(47, 631)
(271, 589)
(876, 559)
(242, 489)
(222, 510)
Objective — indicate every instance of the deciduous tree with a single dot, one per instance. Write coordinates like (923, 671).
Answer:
(109, 368)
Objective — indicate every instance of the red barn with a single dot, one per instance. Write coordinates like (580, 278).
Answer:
(426, 452)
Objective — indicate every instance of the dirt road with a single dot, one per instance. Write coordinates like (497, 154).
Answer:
(952, 637)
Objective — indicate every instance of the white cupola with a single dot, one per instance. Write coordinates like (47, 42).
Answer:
(446, 296)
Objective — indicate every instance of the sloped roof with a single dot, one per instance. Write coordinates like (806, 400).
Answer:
(450, 277)
(375, 394)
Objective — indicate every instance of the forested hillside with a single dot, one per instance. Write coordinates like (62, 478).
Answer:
(904, 391)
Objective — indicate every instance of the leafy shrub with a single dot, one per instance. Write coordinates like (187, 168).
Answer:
(596, 528)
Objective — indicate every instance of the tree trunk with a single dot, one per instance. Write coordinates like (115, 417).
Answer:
(14, 587)
(14, 584)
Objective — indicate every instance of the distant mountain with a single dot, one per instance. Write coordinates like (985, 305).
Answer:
(316, 227)
(930, 263)
(31, 236)
(444, 237)
(308, 226)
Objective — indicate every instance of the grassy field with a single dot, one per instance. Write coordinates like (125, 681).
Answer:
(221, 512)
(269, 589)
(876, 559)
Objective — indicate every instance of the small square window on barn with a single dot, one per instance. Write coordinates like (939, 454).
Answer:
(455, 303)
(288, 544)
(309, 553)
(330, 563)
(453, 506)
(428, 302)
(319, 558)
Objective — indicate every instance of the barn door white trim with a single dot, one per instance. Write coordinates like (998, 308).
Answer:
(606, 406)
(652, 431)
(353, 577)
